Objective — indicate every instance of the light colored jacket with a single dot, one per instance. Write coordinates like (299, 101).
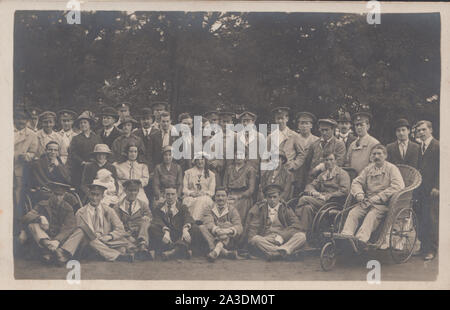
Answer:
(27, 145)
(290, 144)
(358, 153)
(191, 179)
(378, 184)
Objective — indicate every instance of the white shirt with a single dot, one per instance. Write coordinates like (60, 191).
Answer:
(273, 212)
(426, 143)
(403, 146)
(107, 132)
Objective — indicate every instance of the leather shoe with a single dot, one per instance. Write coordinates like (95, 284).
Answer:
(167, 255)
(212, 256)
(428, 256)
(61, 256)
(126, 258)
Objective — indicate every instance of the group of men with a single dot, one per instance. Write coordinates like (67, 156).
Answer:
(134, 228)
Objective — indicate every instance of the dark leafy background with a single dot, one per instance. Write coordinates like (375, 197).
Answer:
(199, 61)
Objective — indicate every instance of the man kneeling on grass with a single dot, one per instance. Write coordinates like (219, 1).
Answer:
(273, 228)
(172, 231)
(221, 227)
(99, 230)
(136, 217)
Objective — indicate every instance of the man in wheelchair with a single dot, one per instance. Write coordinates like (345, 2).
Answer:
(331, 185)
(372, 190)
(50, 222)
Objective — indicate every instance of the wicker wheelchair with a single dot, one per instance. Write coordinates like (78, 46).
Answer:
(397, 232)
(35, 195)
(324, 218)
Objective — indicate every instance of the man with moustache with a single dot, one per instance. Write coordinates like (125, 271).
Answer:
(372, 190)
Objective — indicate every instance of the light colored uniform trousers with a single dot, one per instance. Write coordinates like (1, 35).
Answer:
(267, 243)
(106, 250)
(372, 218)
(37, 232)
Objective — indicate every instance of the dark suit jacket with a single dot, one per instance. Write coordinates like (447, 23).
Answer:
(351, 137)
(153, 146)
(161, 220)
(428, 165)
(109, 139)
(61, 218)
(41, 175)
(258, 221)
(411, 156)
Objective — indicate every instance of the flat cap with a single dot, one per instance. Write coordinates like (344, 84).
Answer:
(123, 105)
(307, 115)
(344, 117)
(327, 121)
(96, 184)
(272, 188)
(247, 115)
(284, 110)
(109, 111)
(34, 111)
(65, 113)
(167, 148)
(361, 116)
(47, 115)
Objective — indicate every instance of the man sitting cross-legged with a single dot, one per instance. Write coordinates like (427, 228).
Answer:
(332, 184)
(99, 228)
(273, 228)
(372, 190)
(50, 222)
(221, 226)
(172, 231)
(136, 217)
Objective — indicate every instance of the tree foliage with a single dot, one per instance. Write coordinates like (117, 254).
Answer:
(198, 61)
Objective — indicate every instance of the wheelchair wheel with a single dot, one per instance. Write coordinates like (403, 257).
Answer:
(328, 256)
(28, 204)
(403, 235)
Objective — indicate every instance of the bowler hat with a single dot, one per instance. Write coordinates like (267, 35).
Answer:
(101, 149)
(307, 115)
(272, 188)
(146, 112)
(328, 121)
(402, 122)
(34, 111)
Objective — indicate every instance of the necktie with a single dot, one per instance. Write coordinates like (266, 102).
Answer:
(323, 143)
(131, 169)
(423, 148)
(403, 150)
(130, 207)
(170, 214)
(97, 225)
(165, 138)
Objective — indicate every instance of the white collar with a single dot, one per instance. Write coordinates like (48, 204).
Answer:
(108, 131)
(427, 141)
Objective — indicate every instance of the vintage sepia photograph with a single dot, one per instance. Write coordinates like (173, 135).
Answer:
(237, 145)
